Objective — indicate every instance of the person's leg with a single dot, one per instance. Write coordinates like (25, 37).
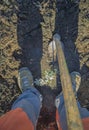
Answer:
(26, 108)
(30, 101)
(59, 103)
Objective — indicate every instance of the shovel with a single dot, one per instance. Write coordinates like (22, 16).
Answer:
(72, 112)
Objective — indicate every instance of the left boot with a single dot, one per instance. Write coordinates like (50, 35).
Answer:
(25, 79)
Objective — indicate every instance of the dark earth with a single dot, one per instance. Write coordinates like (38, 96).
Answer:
(26, 29)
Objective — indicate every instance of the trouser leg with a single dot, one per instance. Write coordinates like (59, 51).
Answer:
(61, 113)
(84, 113)
(30, 101)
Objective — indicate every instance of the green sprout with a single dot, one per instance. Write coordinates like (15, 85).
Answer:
(48, 77)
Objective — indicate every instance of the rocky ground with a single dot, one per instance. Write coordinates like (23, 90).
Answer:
(27, 27)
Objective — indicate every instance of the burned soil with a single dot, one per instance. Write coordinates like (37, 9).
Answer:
(26, 29)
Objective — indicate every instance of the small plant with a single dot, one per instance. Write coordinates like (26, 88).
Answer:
(48, 77)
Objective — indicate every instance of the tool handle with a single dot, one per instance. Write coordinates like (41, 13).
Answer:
(72, 112)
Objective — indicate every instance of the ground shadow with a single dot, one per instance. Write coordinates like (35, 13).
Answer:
(66, 24)
(29, 35)
(30, 40)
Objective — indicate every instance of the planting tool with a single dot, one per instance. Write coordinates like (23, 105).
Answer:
(72, 112)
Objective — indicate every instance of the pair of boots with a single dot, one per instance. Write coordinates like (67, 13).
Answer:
(25, 79)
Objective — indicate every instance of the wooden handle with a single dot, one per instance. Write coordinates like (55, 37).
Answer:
(72, 112)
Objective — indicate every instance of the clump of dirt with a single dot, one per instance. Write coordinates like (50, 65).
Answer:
(27, 27)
